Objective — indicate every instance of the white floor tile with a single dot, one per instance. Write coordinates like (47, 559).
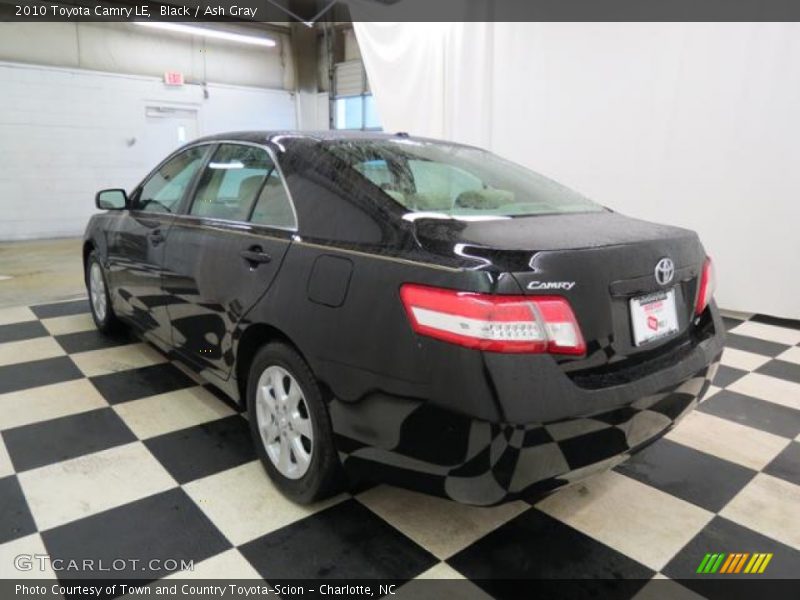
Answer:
(772, 389)
(12, 353)
(29, 546)
(16, 314)
(791, 355)
(739, 359)
(773, 333)
(440, 571)
(227, 565)
(6, 468)
(440, 581)
(69, 324)
(770, 506)
(244, 504)
(113, 360)
(440, 526)
(48, 402)
(661, 587)
(640, 521)
(728, 440)
(86, 485)
(154, 415)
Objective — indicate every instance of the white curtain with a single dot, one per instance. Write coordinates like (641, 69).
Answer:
(694, 124)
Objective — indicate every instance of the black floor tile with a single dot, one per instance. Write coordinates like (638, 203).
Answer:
(781, 369)
(346, 541)
(61, 309)
(47, 442)
(83, 341)
(15, 517)
(587, 449)
(722, 535)
(535, 546)
(756, 345)
(789, 323)
(727, 375)
(731, 322)
(223, 397)
(21, 331)
(36, 373)
(203, 450)
(140, 383)
(761, 414)
(697, 477)
(165, 526)
(786, 465)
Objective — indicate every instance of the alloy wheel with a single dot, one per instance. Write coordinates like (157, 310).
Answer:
(284, 422)
(97, 291)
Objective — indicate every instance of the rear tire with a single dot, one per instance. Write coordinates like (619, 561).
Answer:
(99, 298)
(290, 425)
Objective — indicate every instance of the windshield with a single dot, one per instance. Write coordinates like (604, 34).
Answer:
(456, 180)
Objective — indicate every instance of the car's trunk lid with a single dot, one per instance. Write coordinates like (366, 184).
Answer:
(598, 261)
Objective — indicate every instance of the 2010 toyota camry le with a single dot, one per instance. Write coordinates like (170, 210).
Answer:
(417, 312)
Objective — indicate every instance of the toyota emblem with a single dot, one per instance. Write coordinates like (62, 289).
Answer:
(665, 271)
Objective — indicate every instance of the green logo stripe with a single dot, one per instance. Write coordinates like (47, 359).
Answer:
(702, 567)
(718, 563)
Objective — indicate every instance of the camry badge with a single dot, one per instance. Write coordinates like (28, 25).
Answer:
(665, 271)
(551, 285)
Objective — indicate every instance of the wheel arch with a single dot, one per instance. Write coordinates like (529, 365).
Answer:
(88, 247)
(255, 337)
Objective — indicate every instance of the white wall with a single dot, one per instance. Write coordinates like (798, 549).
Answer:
(66, 133)
(695, 124)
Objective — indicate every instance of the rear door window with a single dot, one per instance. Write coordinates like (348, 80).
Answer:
(274, 207)
(231, 182)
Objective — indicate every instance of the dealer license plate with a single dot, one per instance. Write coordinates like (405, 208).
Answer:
(654, 317)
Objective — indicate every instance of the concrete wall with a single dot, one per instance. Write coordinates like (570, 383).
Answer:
(83, 107)
(66, 133)
(136, 50)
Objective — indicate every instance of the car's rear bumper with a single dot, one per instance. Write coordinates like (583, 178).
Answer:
(424, 446)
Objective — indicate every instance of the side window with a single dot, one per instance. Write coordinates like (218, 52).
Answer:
(274, 208)
(166, 187)
(230, 182)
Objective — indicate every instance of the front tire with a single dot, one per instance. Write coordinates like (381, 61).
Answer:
(99, 298)
(290, 425)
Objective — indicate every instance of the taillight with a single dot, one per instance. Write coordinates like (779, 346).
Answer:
(708, 283)
(494, 323)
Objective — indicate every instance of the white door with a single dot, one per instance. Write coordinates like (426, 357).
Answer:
(168, 128)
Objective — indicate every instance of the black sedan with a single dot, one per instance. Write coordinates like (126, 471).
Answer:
(418, 312)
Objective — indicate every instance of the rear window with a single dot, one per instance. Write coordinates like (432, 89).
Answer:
(456, 180)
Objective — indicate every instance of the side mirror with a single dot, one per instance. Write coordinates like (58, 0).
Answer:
(114, 199)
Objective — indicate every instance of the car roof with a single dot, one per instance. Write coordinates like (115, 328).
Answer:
(278, 137)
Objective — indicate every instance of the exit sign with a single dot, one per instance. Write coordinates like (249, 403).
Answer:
(173, 78)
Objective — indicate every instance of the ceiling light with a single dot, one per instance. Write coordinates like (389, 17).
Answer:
(208, 33)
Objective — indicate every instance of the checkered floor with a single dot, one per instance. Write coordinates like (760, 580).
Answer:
(109, 450)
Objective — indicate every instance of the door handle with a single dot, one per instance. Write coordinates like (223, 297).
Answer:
(255, 255)
(156, 237)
